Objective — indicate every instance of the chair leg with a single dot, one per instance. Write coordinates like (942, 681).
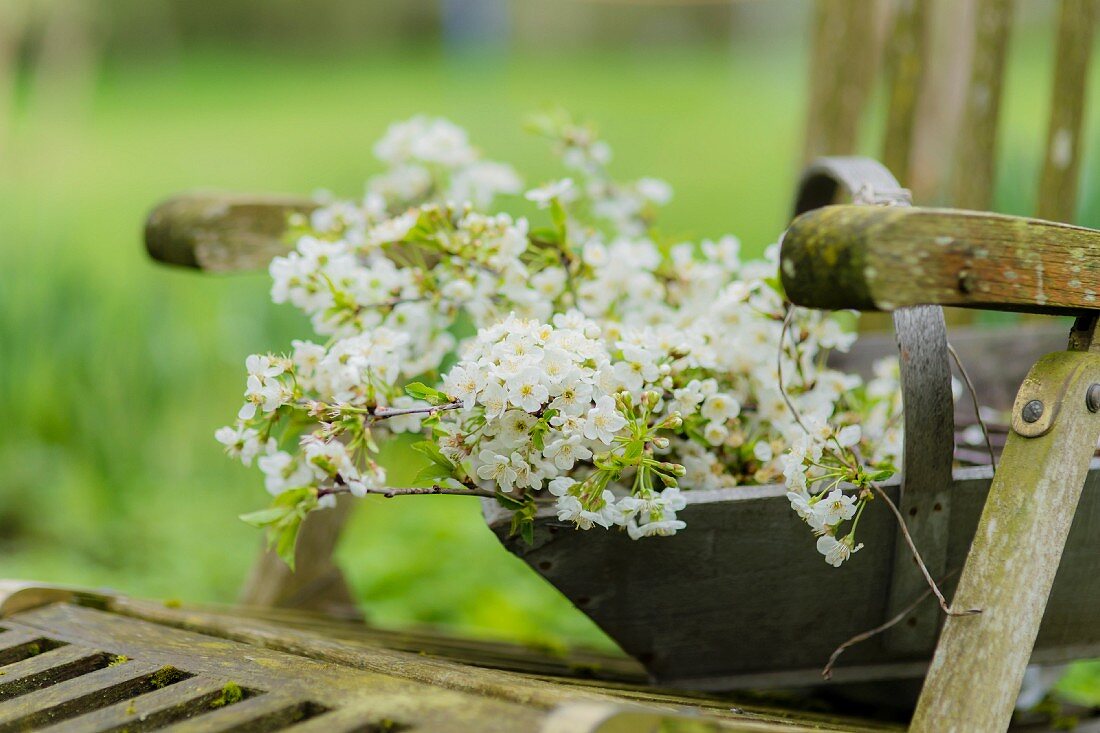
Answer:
(317, 583)
(976, 672)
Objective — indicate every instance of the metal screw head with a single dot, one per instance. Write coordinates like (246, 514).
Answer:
(1033, 411)
(1092, 398)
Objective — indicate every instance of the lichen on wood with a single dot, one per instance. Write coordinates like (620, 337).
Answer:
(883, 258)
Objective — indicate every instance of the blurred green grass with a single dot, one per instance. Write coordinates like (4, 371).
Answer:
(114, 372)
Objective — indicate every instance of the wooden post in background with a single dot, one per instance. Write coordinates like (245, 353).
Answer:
(974, 169)
(940, 98)
(1062, 155)
(843, 55)
(906, 56)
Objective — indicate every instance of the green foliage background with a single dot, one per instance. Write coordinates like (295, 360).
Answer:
(114, 372)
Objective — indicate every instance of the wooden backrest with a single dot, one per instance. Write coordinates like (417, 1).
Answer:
(943, 66)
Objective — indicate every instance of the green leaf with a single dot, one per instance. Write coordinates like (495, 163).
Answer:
(882, 475)
(293, 497)
(527, 531)
(285, 539)
(431, 451)
(421, 391)
(264, 517)
(509, 502)
(546, 234)
(431, 473)
(559, 217)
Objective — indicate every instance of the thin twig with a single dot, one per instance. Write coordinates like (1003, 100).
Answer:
(916, 556)
(977, 407)
(389, 491)
(827, 672)
(381, 413)
(779, 369)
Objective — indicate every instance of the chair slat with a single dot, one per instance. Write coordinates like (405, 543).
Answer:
(221, 232)
(50, 668)
(184, 700)
(1062, 158)
(972, 181)
(883, 258)
(842, 66)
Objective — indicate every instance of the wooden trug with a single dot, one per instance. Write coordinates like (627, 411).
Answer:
(864, 257)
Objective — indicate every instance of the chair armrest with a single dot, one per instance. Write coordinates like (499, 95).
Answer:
(221, 232)
(883, 257)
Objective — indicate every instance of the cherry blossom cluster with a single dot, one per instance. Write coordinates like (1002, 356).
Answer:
(568, 359)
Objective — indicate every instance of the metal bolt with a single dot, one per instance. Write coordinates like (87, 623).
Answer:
(1034, 410)
(1092, 398)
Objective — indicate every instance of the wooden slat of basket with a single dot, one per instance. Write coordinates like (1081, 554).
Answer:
(742, 599)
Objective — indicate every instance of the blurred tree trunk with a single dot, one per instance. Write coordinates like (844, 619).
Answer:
(64, 69)
(13, 23)
(941, 98)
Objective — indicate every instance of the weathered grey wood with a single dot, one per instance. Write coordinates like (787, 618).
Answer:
(746, 562)
(153, 710)
(926, 470)
(290, 667)
(883, 258)
(905, 60)
(975, 151)
(979, 663)
(842, 63)
(49, 668)
(76, 696)
(1062, 159)
(221, 232)
(271, 711)
(17, 645)
(316, 583)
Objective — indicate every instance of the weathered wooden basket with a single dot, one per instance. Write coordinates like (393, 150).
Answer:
(742, 598)
(729, 604)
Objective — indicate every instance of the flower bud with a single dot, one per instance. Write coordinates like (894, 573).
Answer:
(626, 402)
(660, 443)
(672, 422)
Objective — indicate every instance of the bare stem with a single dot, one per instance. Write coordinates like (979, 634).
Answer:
(827, 672)
(916, 556)
(779, 369)
(977, 407)
(381, 413)
(389, 491)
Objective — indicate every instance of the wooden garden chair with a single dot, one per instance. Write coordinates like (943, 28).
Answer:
(885, 256)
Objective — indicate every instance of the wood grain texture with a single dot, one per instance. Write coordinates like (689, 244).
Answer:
(979, 663)
(1062, 159)
(925, 498)
(342, 682)
(883, 258)
(975, 152)
(221, 232)
(729, 606)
